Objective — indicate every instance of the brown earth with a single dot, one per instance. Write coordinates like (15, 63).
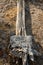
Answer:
(8, 12)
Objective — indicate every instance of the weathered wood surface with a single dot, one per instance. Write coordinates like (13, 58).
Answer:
(21, 41)
(21, 44)
(20, 22)
(21, 47)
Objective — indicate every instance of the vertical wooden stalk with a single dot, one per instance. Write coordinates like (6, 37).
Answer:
(20, 23)
(18, 17)
(24, 59)
(23, 17)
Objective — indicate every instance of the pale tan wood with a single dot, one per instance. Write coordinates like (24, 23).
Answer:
(20, 22)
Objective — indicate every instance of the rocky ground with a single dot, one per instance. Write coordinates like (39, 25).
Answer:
(34, 22)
